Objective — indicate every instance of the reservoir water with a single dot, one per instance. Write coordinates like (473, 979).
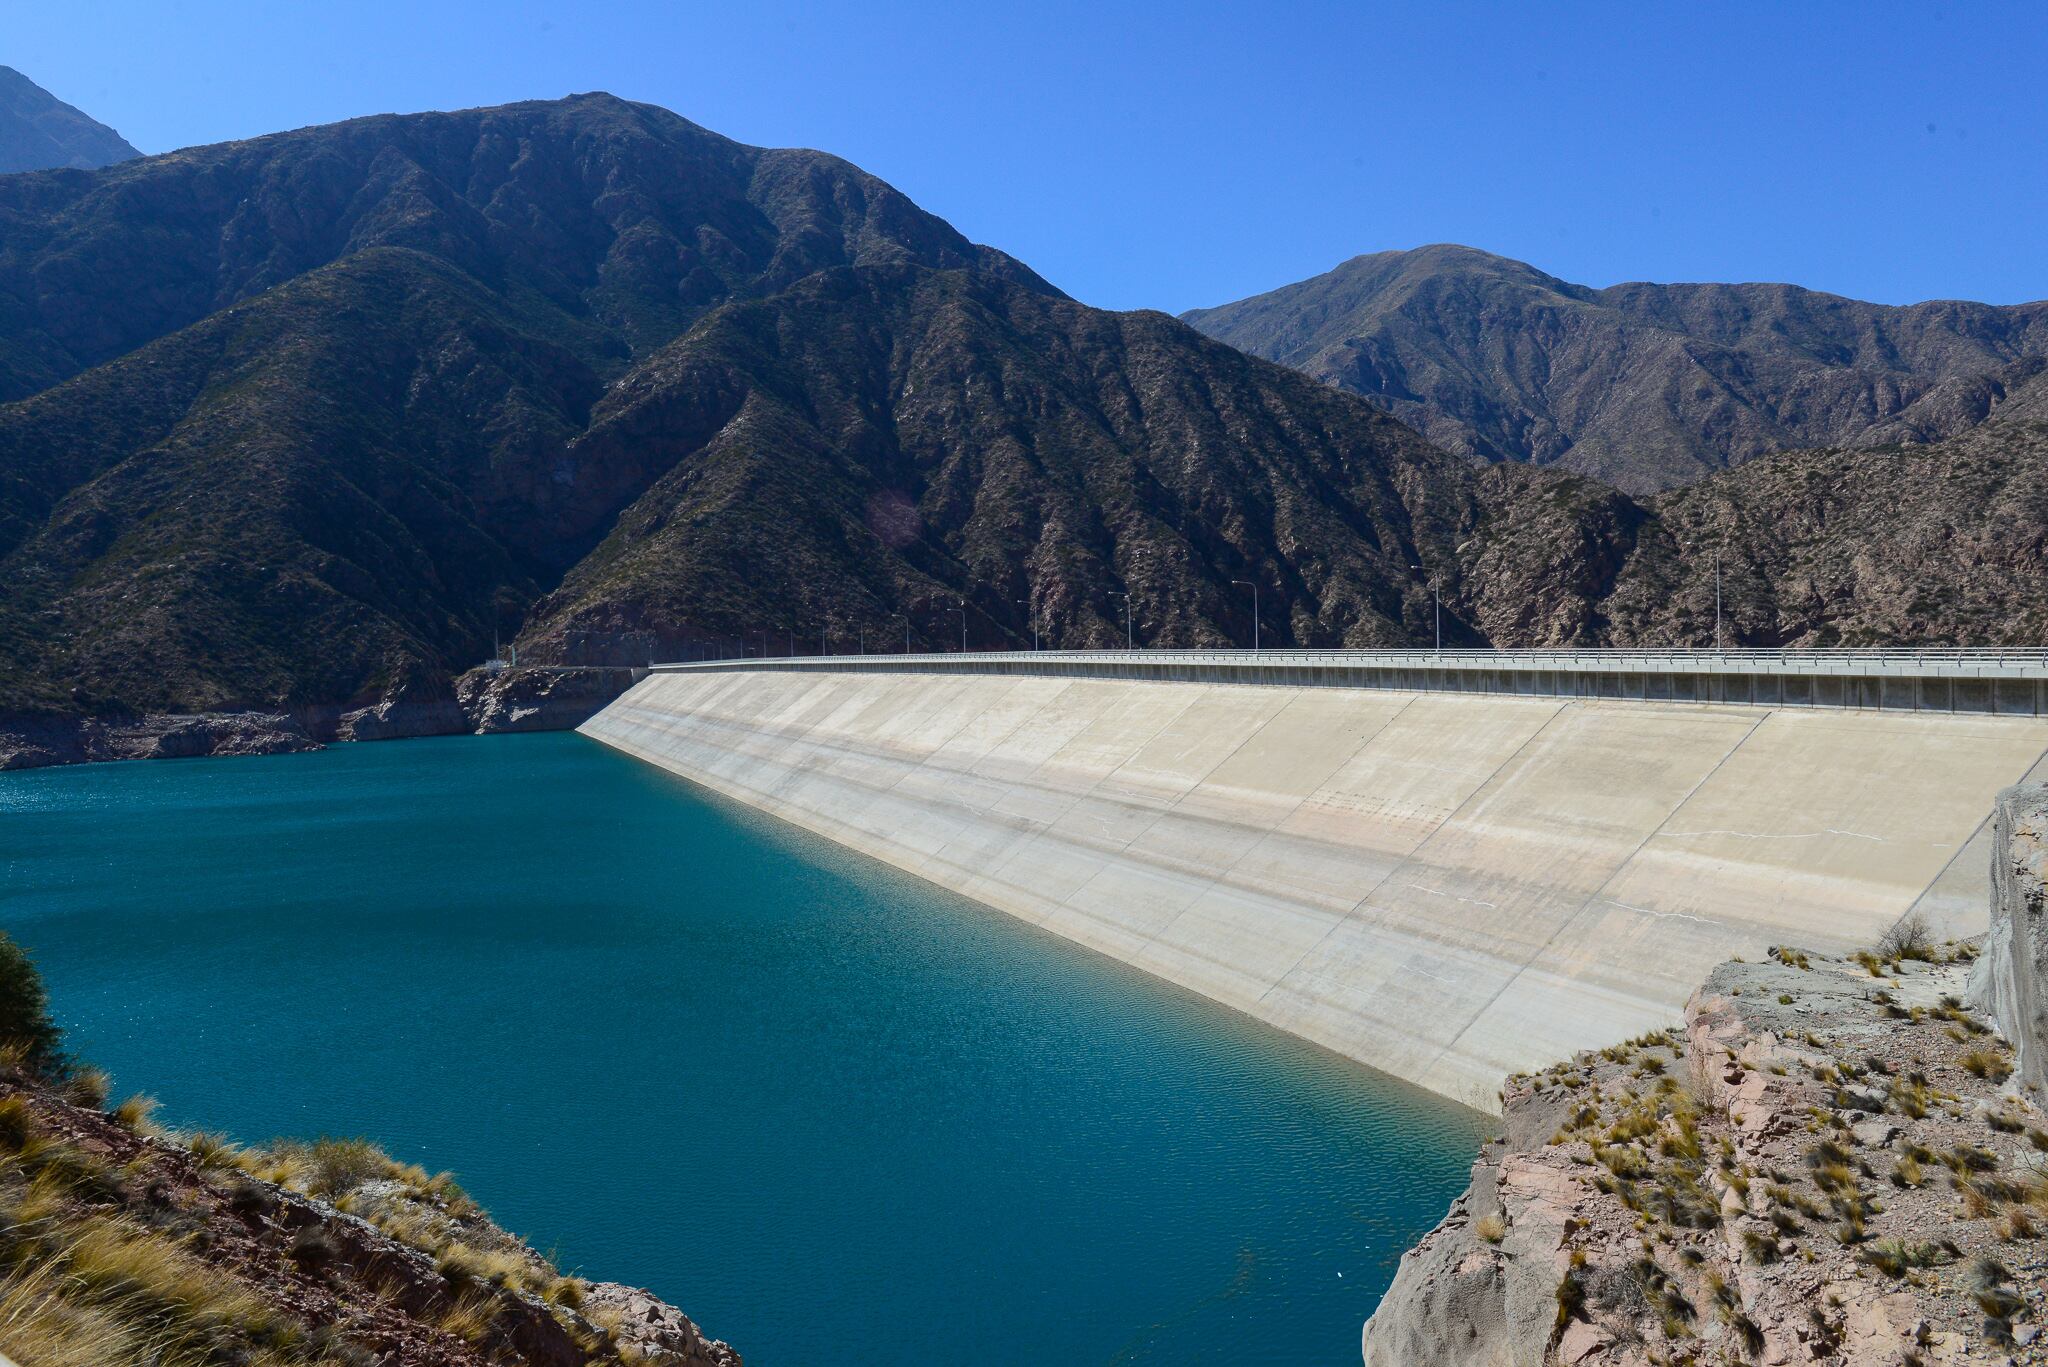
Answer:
(833, 1113)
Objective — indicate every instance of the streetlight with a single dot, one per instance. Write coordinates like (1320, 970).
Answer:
(1717, 598)
(962, 610)
(1255, 611)
(906, 633)
(1130, 641)
(1438, 586)
(1717, 591)
(1025, 603)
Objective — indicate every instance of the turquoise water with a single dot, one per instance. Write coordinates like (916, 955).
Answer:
(836, 1115)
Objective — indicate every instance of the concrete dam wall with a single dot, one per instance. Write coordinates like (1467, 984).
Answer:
(1446, 886)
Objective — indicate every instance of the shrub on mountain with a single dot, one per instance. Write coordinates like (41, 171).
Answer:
(26, 1030)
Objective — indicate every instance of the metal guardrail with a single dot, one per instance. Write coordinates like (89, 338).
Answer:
(2009, 682)
(1984, 662)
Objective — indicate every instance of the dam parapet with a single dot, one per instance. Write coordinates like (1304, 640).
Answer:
(1996, 682)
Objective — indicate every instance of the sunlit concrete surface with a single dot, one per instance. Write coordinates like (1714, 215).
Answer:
(1448, 886)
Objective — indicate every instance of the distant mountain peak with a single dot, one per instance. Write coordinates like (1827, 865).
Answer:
(1647, 386)
(39, 132)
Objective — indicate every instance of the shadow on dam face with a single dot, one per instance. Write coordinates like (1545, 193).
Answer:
(1445, 886)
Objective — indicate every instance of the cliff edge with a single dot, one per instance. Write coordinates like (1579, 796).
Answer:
(1828, 1163)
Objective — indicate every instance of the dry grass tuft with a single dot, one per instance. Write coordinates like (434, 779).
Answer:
(470, 1316)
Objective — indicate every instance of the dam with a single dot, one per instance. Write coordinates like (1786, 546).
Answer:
(1448, 866)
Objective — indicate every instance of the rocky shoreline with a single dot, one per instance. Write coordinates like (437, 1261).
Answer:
(481, 702)
(1833, 1160)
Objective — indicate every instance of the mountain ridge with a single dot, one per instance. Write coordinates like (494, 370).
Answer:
(629, 221)
(1646, 386)
(40, 132)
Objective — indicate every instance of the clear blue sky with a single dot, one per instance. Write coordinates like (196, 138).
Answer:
(1174, 155)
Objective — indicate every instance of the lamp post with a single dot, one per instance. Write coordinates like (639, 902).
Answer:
(1130, 640)
(1689, 546)
(1255, 611)
(906, 633)
(1717, 598)
(1025, 603)
(962, 610)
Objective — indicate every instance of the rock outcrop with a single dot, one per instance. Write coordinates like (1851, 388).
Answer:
(539, 697)
(524, 698)
(2010, 980)
(1820, 1166)
(644, 1324)
(35, 741)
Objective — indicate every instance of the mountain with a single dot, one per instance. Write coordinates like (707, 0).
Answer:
(304, 425)
(307, 421)
(881, 445)
(611, 226)
(39, 131)
(1644, 386)
(1939, 543)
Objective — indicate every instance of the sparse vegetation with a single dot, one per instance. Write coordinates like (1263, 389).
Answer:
(27, 1033)
(1894, 1257)
(1870, 1144)
(1909, 939)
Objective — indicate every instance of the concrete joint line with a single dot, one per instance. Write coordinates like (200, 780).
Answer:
(1599, 894)
(1066, 903)
(1075, 800)
(1224, 876)
(2031, 774)
(1402, 864)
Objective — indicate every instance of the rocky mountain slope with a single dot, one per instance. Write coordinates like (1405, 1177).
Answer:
(306, 422)
(124, 1244)
(882, 444)
(606, 227)
(1940, 543)
(1821, 1167)
(38, 131)
(1643, 386)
